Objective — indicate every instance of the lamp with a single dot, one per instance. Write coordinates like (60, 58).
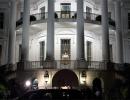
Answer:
(28, 83)
(83, 77)
(46, 77)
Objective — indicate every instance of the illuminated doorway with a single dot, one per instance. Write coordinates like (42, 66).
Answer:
(65, 51)
(65, 78)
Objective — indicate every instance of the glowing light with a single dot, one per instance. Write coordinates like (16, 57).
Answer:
(65, 87)
(27, 83)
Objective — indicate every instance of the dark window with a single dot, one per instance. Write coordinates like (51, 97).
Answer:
(43, 12)
(111, 53)
(20, 48)
(89, 47)
(128, 20)
(109, 15)
(88, 12)
(88, 9)
(1, 20)
(65, 10)
(42, 46)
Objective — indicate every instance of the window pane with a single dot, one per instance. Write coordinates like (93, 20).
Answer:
(65, 6)
(128, 20)
(89, 44)
(42, 45)
(1, 20)
(65, 51)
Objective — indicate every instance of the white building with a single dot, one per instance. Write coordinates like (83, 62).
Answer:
(64, 36)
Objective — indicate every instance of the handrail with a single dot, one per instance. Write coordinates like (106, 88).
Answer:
(91, 16)
(65, 15)
(61, 64)
(60, 15)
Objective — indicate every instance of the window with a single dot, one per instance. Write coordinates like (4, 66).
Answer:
(88, 9)
(65, 10)
(1, 20)
(89, 47)
(111, 53)
(42, 46)
(20, 52)
(88, 12)
(65, 50)
(109, 15)
(43, 12)
(128, 20)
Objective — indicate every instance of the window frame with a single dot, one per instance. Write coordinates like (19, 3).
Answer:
(128, 20)
(2, 20)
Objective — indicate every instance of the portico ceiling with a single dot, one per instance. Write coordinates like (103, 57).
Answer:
(36, 28)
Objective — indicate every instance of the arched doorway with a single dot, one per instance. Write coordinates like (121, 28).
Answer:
(97, 88)
(65, 77)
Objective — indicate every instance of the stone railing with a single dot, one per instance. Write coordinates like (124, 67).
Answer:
(62, 16)
(65, 64)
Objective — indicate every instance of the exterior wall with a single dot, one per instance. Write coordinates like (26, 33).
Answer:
(106, 79)
(63, 32)
(36, 9)
(126, 51)
(125, 30)
(95, 38)
(5, 8)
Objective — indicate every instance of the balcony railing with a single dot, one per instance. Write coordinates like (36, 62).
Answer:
(91, 16)
(65, 15)
(41, 16)
(62, 64)
(69, 15)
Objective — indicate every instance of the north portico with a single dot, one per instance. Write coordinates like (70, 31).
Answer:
(66, 43)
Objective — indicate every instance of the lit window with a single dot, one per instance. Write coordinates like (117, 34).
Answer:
(65, 51)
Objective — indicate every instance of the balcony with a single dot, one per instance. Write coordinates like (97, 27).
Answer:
(66, 64)
(61, 16)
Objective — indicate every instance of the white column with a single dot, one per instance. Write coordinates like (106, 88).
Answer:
(25, 33)
(105, 32)
(119, 42)
(50, 31)
(12, 33)
(80, 30)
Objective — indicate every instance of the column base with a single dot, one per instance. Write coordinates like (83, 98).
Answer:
(82, 63)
